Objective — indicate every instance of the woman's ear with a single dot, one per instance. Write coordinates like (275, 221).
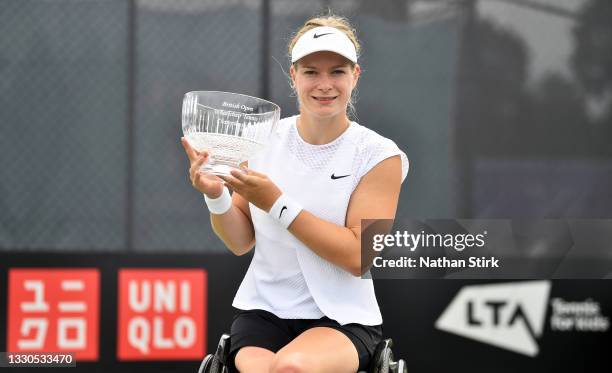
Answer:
(292, 75)
(356, 74)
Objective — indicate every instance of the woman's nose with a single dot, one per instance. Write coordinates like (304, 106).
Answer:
(324, 83)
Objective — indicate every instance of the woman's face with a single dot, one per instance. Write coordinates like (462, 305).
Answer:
(324, 82)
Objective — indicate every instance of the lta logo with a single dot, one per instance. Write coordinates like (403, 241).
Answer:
(509, 316)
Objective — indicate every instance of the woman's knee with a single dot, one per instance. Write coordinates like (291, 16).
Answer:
(253, 359)
(292, 362)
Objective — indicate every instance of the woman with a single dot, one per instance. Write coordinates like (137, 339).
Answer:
(303, 305)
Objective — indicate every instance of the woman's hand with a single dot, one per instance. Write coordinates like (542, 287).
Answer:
(253, 186)
(206, 183)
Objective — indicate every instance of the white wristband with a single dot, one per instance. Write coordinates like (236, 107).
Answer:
(221, 204)
(285, 210)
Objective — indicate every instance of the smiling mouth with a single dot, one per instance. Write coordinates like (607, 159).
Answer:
(325, 99)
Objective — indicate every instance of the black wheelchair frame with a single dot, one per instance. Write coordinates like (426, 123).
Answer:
(381, 363)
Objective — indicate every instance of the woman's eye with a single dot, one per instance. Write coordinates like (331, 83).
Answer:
(309, 72)
(338, 71)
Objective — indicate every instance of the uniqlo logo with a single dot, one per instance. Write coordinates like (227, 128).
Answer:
(162, 314)
(54, 310)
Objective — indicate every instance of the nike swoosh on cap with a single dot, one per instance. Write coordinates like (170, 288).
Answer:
(318, 36)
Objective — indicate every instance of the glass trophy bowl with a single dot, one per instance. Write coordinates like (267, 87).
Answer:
(230, 126)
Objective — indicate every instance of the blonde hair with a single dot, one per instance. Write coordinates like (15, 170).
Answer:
(330, 20)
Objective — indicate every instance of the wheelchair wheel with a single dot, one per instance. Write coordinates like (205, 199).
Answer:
(382, 357)
(217, 362)
(387, 357)
(212, 364)
(206, 364)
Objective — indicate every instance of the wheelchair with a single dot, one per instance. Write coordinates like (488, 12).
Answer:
(382, 362)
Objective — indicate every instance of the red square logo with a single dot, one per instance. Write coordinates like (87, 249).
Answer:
(162, 314)
(54, 310)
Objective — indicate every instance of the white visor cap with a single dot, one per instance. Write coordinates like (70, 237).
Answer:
(324, 38)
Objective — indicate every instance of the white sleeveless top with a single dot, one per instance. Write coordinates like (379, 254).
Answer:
(285, 277)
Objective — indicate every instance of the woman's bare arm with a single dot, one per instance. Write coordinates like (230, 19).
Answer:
(235, 227)
(375, 197)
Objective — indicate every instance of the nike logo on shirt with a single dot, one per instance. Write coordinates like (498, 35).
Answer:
(281, 213)
(318, 36)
